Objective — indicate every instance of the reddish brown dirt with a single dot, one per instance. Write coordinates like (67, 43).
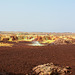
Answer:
(21, 58)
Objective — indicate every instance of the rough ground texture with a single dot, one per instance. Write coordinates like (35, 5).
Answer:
(50, 69)
(20, 59)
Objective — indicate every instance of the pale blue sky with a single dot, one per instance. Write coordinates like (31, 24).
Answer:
(37, 15)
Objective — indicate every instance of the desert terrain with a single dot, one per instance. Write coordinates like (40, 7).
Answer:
(19, 57)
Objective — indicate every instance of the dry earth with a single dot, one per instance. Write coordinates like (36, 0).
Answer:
(20, 59)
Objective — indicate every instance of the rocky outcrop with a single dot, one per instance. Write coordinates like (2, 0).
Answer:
(50, 69)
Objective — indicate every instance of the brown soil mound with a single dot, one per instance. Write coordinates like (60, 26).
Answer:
(61, 41)
(20, 59)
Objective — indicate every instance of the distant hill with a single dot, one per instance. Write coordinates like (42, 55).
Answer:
(37, 33)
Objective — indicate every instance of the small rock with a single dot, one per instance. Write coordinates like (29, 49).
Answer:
(50, 69)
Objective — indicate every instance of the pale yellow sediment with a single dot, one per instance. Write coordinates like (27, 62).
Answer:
(5, 44)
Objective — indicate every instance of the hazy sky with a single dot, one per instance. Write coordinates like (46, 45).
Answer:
(37, 15)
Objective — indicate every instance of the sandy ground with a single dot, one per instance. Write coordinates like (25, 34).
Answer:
(20, 58)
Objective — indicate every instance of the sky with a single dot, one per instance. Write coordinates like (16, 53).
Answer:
(37, 15)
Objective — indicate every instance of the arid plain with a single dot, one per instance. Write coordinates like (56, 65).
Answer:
(20, 57)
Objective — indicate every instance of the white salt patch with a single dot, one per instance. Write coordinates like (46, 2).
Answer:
(36, 43)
